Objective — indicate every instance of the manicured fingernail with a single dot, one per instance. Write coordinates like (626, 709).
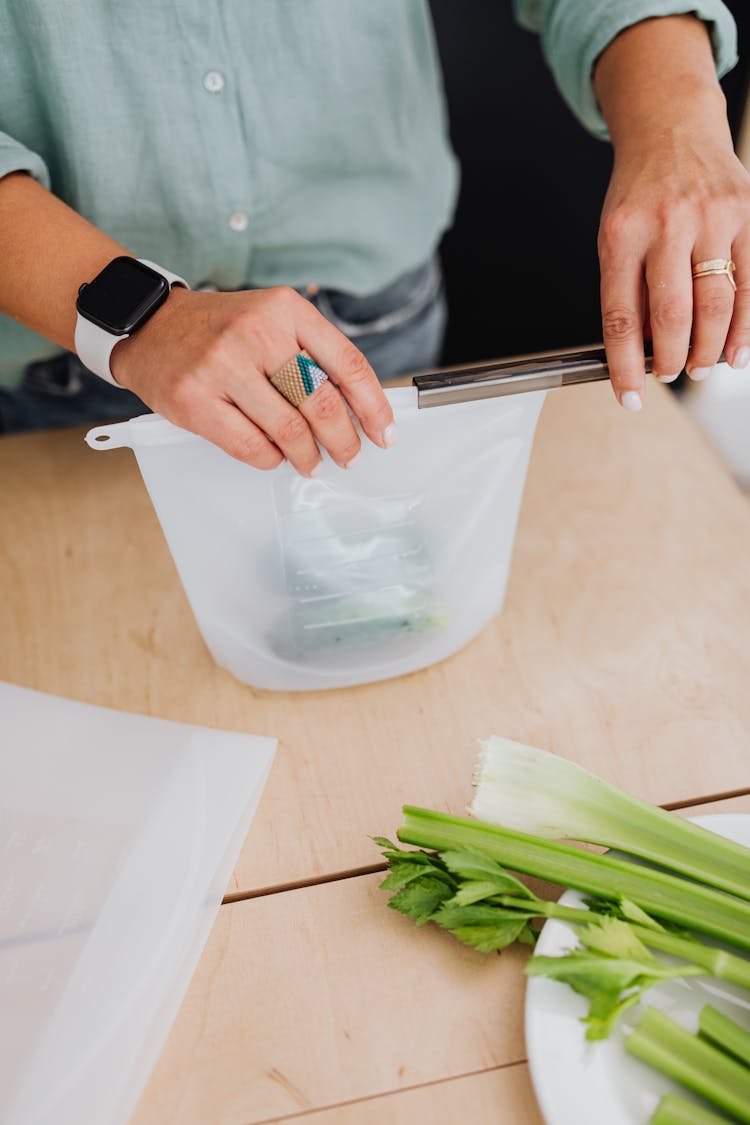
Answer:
(742, 358)
(667, 378)
(631, 401)
(357, 457)
(317, 470)
(389, 435)
(699, 373)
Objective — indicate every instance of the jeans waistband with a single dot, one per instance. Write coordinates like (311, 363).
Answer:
(383, 311)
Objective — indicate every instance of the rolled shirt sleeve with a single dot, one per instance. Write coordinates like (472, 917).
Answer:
(15, 157)
(575, 32)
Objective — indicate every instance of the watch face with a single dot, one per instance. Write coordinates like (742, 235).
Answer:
(122, 296)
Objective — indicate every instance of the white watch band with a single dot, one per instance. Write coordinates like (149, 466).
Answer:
(94, 345)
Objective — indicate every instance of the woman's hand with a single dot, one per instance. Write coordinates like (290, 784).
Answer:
(678, 196)
(204, 361)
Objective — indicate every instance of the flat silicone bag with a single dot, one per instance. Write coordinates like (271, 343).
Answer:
(356, 575)
(118, 836)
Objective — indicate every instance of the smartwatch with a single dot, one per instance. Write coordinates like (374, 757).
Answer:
(114, 305)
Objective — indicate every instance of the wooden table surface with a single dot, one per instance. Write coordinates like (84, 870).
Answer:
(321, 997)
(622, 646)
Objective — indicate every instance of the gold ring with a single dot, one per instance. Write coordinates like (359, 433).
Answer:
(298, 378)
(716, 267)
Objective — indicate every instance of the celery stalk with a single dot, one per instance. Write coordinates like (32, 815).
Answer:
(467, 892)
(664, 895)
(673, 1109)
(718, 963)
(718, 1029)
(534, 791)
(707, 1071)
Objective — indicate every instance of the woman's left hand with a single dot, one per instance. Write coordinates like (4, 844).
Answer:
(678, 196)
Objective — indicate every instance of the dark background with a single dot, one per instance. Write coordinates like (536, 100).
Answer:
(533, 182)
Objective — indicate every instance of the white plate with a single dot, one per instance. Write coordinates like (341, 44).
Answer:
(582, 1083)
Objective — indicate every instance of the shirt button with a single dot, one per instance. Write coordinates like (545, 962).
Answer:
(213, 81)
(238, 221)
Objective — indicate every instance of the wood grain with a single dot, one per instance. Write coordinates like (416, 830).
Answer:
(729, 805)
(623, 644)
(318, 996)
(503, 1096)
(313, 997)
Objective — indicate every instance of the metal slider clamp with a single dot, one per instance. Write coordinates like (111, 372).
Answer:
(541, 371)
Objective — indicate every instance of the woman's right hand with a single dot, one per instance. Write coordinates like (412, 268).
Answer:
(204, 361)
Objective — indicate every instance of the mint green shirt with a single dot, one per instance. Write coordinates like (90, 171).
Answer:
(262, 141)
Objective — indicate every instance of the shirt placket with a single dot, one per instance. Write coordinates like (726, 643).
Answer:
(224, 144)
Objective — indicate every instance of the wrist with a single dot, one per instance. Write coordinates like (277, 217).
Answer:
(116, 304)
(128, 354)
(653, 121)
(657, 76)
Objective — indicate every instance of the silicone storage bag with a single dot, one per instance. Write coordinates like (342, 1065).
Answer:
(356, 575)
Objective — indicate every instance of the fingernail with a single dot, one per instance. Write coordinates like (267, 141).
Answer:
(357, 457)
(389, 435)
(699, 373)
(317, 470)
(667, 378)
(631, 401)
(742, 358)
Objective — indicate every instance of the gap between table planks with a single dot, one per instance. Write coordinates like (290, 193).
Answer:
(622, 644)
(352, 873)
(503, 1096)
(312, 998)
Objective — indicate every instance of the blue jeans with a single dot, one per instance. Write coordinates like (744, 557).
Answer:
(400, 329)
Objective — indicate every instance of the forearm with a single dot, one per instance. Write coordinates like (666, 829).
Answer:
(203, 360)
(658, 78)
(678, 196)
(46, 252)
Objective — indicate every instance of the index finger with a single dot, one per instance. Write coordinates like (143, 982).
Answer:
(347, 367)
(622, 327)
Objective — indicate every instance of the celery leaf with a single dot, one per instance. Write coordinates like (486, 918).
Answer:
(613, 938)
(631, 912)
(484, 927)
(394, 854)
(472, 864)
(604, 1012)
(401, 873)
(610, 983)
(488, 939)
(475, 891)
(420, 898)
